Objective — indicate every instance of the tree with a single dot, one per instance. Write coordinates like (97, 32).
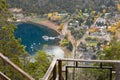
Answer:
(113, 52)
(64, 42)
(39, 66)
(104, 11)
(61, 27)
(12, 48)
(118, 7)
(39, 6)
(9, 46)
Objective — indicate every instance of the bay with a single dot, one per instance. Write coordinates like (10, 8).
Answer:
(32, 36)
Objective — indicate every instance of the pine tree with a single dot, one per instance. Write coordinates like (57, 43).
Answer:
(9, 45)
(39, 66)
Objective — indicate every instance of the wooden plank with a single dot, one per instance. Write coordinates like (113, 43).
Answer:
(50, 69)
(54, 73)
(16, 67)
(3, 77)
(82, 60)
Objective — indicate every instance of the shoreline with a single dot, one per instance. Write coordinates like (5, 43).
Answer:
(47, 24)
(52, 26)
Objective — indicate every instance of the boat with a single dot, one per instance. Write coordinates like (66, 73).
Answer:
(46, 38)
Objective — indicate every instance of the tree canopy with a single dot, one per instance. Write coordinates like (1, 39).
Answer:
(113, 52)
(39, 66)
(42, 6)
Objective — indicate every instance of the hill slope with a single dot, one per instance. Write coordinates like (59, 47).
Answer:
(43, 6)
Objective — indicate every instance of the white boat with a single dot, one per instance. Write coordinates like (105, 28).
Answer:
(46, 38)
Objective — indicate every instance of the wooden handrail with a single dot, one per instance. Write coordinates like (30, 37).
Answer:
(50, 69)
(82, 60)
(16, 67)
(59, 73)
(3, 77)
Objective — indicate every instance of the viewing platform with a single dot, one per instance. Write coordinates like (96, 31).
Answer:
(74, 69)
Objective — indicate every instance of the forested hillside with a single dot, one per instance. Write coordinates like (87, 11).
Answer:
(43, 6)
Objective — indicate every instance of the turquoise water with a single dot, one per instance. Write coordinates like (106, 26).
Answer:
(31, 35)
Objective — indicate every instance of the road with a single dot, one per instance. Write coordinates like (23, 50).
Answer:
(72, 40)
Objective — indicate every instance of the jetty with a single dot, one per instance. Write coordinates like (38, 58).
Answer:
(46, 38)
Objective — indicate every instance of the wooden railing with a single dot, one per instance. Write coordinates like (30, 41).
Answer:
(57, 74)
(51, 69)
(3, 77)
(54, 72)
(15, 67)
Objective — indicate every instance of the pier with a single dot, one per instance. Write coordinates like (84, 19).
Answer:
(46, 38)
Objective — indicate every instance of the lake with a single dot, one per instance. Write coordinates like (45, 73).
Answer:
(32, 37)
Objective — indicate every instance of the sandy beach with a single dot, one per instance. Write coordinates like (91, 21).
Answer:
(50, 24)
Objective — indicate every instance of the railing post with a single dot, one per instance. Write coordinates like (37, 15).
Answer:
(117, 74)
(66, 73)
(59, 70)
(54, 72)
(51, 70)
(110, 73)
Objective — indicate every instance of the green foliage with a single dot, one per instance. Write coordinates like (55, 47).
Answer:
(44, 6)
(38, 68)
(70, 46)
(96, 74)
(64, 42)
(10, 72)
(78, 33)
(113, 52)
(89, 21)
(90, 39)
(89, 74)
(10, 46)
